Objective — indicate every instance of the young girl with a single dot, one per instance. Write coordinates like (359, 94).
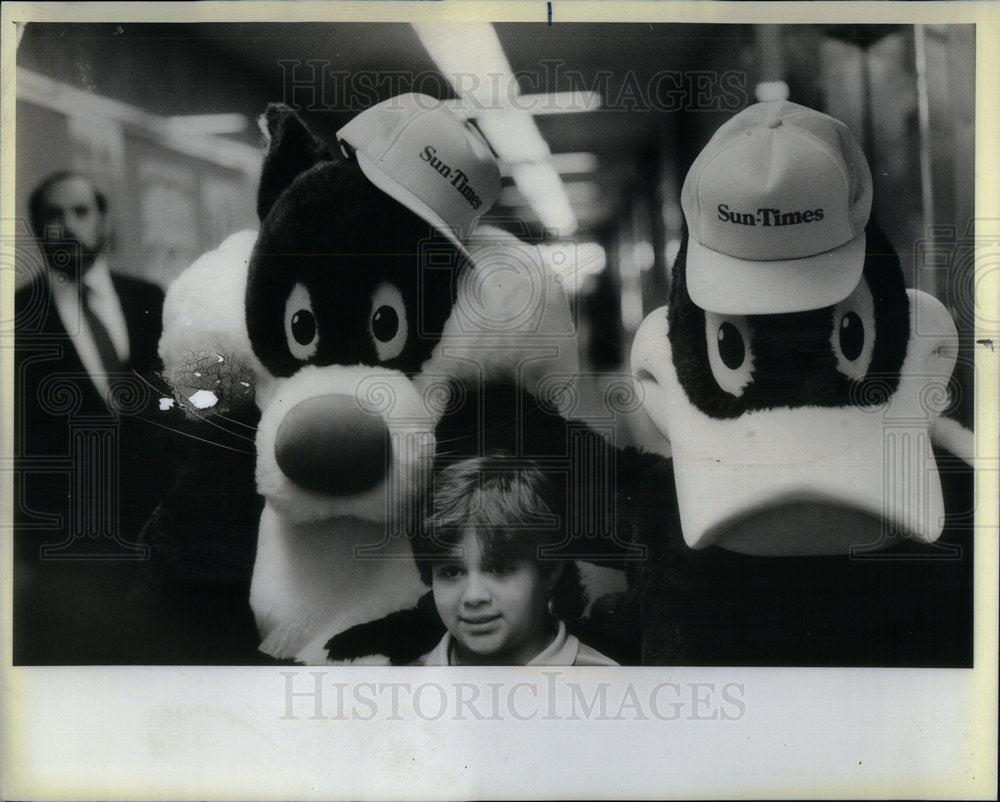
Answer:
(480, 549)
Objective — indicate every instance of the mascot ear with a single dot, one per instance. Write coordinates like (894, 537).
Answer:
(292, 149)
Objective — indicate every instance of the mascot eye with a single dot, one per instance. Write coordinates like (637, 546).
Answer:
(387, 322)
(301, 329)
(853, 335)
(732, 351)
(729, 354)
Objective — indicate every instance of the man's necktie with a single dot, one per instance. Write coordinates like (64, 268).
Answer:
(105, 348)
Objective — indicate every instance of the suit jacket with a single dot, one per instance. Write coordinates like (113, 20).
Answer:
(43, 348)
(86, 478)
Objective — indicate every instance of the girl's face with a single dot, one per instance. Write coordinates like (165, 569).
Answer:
(495, 611)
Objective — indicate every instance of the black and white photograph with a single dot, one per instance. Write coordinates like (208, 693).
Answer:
(396, 394)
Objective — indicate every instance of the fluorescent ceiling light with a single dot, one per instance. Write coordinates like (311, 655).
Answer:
(42, 91)
(540, 185)
(574, 162)
(207, 124)
(566, 163)
(771, 90)
(514, 136)
(472, 59)
(580, 193)
(643, 255)
(574, 102)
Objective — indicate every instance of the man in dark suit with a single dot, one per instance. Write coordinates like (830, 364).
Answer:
(86, 474)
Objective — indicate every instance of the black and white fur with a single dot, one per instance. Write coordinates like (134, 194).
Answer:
(802, 519)
(356, 323)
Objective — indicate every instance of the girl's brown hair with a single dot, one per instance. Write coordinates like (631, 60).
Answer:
(515, 510)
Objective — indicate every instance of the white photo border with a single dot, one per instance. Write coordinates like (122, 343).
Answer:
(338, 733)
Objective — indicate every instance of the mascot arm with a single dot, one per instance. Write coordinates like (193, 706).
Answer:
(402, 636)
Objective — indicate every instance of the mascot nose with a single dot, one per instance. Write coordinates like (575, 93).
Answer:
(327, 444)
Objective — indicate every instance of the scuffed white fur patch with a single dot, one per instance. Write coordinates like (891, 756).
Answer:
(204, 399)
(204, 345)
(388, 393)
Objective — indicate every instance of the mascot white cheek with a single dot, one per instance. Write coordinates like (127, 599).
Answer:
(361, 306)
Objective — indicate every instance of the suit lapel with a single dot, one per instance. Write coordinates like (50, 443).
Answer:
(48, 329)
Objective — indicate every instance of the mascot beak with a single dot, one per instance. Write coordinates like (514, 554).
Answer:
(807, 480)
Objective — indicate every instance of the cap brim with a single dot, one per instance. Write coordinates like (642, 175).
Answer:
(724, 284)
(398, 192)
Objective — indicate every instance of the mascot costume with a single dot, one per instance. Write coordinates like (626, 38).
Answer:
(801, 387)
(367, 307)
(504, 418)
(810, 515)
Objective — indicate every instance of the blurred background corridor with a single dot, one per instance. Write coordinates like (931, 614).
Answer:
(601, 124)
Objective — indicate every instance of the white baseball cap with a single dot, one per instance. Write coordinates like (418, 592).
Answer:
(416, 151)
(776, 206)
